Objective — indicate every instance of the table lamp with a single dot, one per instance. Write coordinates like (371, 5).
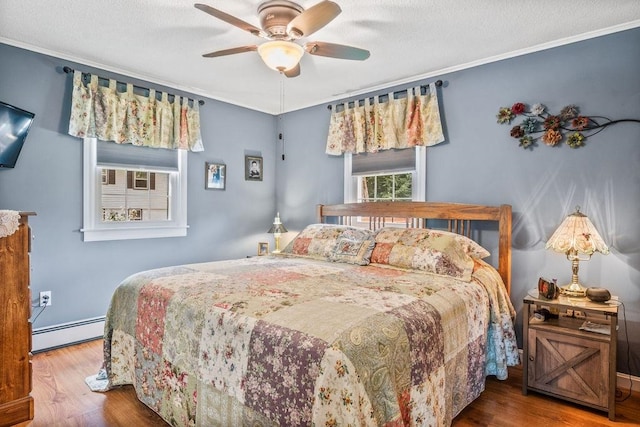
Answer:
(576, 236)
(277, 229)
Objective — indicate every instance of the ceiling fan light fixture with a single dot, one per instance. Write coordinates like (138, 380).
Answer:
(280, 55)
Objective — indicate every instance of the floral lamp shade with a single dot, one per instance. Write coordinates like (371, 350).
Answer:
(576, 236)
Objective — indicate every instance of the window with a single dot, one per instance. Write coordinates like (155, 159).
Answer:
(389, 187)
(386, 176)
(141, 179)
(135, 195)
(133, 192)
(108, 176)
(390, 175)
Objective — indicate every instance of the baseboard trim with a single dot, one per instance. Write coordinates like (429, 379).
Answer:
(624, 381)
(62, 335)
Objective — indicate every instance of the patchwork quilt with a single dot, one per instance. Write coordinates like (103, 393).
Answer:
(291, 341)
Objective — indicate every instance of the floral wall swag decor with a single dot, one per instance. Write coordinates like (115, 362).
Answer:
(568, 125)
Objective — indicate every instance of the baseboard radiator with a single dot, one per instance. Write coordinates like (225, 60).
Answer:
(62, 335)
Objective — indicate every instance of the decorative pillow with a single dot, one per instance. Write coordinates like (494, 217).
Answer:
(426, 237)
(433, 251)
(321, 241)
(353, 247)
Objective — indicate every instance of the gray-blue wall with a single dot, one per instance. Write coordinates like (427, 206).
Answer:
(478, 163)
(48, 180)
(481, 163)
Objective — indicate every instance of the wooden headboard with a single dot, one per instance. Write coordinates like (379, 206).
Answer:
(460, 219)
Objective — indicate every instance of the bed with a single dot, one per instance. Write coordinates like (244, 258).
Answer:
(372, 316)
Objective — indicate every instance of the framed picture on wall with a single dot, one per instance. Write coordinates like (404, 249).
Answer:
(252, 168)
(215, 175)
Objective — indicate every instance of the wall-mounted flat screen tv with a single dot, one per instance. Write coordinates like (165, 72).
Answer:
(14, 126)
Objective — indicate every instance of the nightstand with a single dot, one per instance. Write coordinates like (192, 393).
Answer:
(564, 361)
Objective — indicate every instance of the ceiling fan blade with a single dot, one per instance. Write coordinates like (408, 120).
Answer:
(312, 19)
(236, 22)
(333, 50)
(294, 72)
(231, 51)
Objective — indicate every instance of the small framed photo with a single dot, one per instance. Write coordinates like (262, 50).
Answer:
(215, 175)
(263, 248)
(252, 168)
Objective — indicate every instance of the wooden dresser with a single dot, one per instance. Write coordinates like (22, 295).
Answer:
(16, 405)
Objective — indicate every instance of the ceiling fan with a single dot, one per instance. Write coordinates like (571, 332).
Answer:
(283, 22)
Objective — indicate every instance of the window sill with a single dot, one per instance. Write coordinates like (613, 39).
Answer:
(103, 234)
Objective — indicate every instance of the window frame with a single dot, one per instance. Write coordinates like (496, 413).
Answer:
(360, 197)
(146, 180)
(418, 182)
(94, 229)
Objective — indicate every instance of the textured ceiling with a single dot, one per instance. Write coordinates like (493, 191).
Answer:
(162, 41)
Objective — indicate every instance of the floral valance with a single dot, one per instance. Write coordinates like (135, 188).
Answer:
(127, 118)
(397, 123)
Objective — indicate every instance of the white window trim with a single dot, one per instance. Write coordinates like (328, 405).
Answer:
(350, 181)
(146, 180)
(95, 230)
(418, 183)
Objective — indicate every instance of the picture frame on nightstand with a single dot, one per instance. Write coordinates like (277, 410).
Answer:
(263, 248)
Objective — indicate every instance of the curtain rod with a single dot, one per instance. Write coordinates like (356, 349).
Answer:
(69, 70)
(438, 83)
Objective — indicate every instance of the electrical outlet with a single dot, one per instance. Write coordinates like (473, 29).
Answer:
(45, 298)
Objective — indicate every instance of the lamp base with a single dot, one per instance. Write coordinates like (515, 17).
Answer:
(276, 237)
(573, 290)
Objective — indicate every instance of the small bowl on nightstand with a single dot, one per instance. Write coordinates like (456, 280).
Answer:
(598, 294)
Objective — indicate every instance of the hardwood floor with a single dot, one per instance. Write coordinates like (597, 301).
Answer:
(502, 404)
(63, 399)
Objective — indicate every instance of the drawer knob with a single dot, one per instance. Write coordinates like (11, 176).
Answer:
(531, 358)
